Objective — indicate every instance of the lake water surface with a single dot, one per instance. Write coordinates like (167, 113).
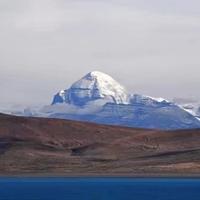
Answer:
(98, 189)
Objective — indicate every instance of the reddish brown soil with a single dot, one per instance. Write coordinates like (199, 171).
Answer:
(38, 146)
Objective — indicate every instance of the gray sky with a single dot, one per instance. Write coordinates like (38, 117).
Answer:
(150, 47)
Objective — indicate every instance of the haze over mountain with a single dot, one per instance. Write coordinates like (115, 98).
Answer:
(98, 98)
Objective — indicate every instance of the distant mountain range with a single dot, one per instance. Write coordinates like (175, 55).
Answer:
(98, 98)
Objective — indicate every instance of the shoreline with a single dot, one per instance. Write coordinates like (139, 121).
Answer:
(89, 175)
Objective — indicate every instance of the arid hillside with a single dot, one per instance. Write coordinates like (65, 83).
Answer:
(51, 147)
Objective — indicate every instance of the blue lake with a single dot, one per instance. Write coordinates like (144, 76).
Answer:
(98, 189)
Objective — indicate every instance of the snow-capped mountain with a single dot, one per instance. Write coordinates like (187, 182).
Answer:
(98, 98)
(94, 86)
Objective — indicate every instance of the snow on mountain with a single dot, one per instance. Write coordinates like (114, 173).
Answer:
(194, 109)
(94, 86)
(139, 114)
(190, 105)
(147, 100)
(98, 98)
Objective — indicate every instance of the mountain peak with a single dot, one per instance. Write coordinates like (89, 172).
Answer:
(93, 86)
(96, 74)
(100, 77)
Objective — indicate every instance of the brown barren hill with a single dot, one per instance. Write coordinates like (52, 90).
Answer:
(53, 147)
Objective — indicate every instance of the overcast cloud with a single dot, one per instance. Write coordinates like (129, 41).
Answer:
(150, 47)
